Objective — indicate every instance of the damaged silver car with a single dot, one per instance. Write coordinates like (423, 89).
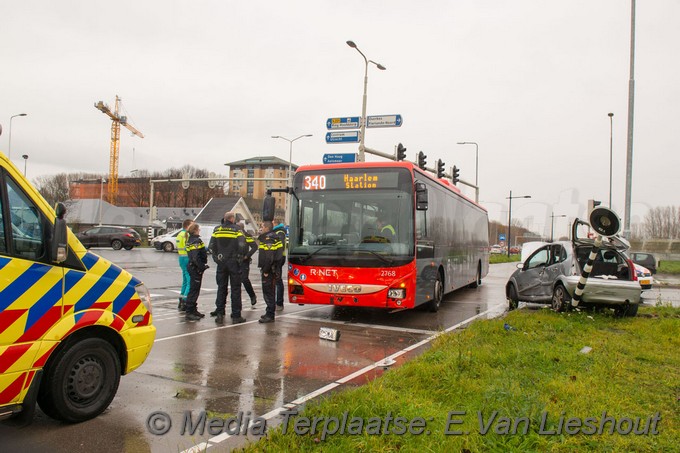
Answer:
(551, 273)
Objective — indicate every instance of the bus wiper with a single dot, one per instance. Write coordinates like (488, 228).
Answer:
(382, 258)
(304, 259)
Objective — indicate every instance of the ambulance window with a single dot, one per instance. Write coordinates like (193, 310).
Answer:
(26, 235)
(3, 241)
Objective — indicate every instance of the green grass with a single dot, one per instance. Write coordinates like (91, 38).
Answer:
(669, 267)
(535, 368)
(502, 258)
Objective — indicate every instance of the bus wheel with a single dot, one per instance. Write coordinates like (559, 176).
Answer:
(81, 381)
(438, 294)
(478, 277)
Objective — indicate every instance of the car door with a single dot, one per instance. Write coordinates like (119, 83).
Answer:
(553, 269)
(530, 280)
(89, 237)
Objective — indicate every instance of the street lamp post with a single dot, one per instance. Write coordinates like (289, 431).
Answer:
(510, 216)
(9, 146)
(552, 223)
(476, 167)
(362, 131)
(290, 168)
(611, 142)
(101, 197)
(25, 157)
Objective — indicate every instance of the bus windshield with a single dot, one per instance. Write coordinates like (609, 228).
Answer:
(353, 218)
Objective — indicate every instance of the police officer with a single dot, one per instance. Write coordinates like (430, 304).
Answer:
(251, 248)
(181, 242)
(226, 246)
(270, 253)
(198, 263)
(280, 231)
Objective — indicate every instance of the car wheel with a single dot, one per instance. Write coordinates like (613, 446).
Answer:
(478, 277)
(168, 247)
(561, 300)
(116, 244)
(628, 311)
(513, 299)
(436, 301)
(81, 381)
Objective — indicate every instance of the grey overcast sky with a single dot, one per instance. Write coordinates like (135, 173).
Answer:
(209, 82)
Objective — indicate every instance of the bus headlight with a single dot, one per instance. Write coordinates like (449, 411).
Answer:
(394, 293)
(144, 296)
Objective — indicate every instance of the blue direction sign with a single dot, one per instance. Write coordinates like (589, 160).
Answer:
(384, 121)
(347, 122)
(339, 158)
(342, 137)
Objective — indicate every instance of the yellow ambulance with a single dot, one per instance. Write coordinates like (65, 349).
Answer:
(71, 322)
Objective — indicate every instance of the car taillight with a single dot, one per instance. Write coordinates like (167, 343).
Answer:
(631, 266)
(130, 235)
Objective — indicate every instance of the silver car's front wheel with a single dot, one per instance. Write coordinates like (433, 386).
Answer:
(561, 299)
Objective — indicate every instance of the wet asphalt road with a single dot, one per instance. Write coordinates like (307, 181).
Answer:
(250, 369)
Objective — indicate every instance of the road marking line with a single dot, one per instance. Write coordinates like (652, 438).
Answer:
(213, 441)
(372, 326)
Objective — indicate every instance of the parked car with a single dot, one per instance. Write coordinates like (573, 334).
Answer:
(116, 237)
(645, 259)
(550, 275)
(644, 276)
(166, 242)
(496, 250)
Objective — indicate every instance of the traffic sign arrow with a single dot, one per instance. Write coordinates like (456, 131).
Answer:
(347, 122)
(339, 158)
(342, 137)
(384, 121)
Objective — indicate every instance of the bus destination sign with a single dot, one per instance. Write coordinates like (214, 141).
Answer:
(350, 181)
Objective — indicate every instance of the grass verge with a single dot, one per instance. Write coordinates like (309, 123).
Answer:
(669, 267)
(529, 369)
(502, 258)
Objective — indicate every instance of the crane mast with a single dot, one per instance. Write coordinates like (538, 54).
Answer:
(117, 120)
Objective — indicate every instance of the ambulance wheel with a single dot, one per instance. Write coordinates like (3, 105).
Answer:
(116, 244)
(81, 381)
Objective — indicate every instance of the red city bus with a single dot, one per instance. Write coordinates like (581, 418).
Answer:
(432, 239)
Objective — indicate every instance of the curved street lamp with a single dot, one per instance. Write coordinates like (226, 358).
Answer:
(9, 146)
(25, 157)
(552, 223)
(290, 167)
(362, 131)
(476, 167)
(510, 216)
(611, 141)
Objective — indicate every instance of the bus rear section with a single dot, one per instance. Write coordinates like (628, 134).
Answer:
(71, 322)
(381, 235)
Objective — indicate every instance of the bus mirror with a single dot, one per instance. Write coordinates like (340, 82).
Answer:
(268, 208)
(421, 196)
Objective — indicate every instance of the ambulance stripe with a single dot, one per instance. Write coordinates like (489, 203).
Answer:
(42, 325)
(98, 289)
(29, 379)
(117, 323)
(123, 298)
(3, 262)
(43, 360)
(71, 278)
(85, 319)
(18, 287)
(42, 305)
(126, 311)
(8, 317)
(12, 390)
(11, 355)
(89, 260)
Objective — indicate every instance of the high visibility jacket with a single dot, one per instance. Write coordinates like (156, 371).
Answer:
(271, 251)
(198, 257)
(227, 243)
(280, 231)
(181, 242)
(388, 228)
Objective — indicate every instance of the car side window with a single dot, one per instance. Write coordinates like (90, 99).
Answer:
(558, 254)
(540, 257)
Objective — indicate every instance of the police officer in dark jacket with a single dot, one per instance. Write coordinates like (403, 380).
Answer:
(198, 263)
(280, 230)
(270, 253)
(227, 245)
(251, 248)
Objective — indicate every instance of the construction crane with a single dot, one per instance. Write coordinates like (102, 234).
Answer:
(115, 144)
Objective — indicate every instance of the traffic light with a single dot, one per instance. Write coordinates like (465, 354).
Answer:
(422, 160)
(455, 174)
(440, 168)
(401, 152)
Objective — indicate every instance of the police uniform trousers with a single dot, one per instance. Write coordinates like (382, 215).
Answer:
(195, 281)
(269, 293)
(245, 278)
(278, 278)
(229, 274)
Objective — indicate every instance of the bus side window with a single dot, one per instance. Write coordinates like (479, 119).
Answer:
(421, 224)
(27, 232)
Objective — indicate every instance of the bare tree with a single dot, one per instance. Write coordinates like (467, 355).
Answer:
(662, 223)
(53, 188)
